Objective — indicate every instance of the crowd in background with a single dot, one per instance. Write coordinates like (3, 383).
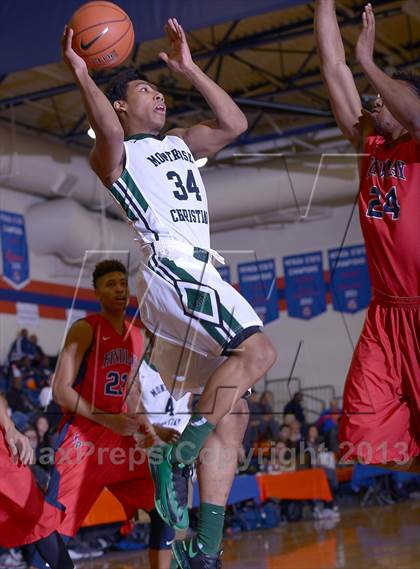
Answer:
(25, 381)
(285, 436)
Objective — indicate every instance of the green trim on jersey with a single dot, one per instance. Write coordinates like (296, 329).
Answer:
(227, 316)
(147, 361)
(134, 189)
(140, 136)
(132, 216)
(126, 197)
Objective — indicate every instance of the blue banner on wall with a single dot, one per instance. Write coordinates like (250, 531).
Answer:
(14, 249)
(224, 272)
(304, 285)
(349, 278)
(258, 284)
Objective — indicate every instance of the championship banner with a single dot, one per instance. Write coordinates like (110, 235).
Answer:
(349, 278)
(224, 272)
(304, 285)
(14, 249)
(258, 284)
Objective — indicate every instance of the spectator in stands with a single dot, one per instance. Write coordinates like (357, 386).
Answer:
(269, 428)
(284, 434)
(18, 401)
(295, 432)
(282, 459)
(295, 408)
(20, 347)
(37, 350)
(328, 425)
(316, 456)
(45, 367)
(46, 441)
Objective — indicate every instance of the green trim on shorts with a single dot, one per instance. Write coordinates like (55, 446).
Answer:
(227, 316)
(208, 327)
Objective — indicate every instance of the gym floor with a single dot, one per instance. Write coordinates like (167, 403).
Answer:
(373, 537)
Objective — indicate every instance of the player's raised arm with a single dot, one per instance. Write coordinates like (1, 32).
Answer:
(77, 343)
(229, 122)
(399, 97)
(18, 444)
(107, 156)
(338, 78)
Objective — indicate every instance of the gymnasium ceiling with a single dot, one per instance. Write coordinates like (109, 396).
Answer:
(266, 59)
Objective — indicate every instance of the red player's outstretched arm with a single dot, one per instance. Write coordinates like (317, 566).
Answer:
(400, 98)
(338, 78)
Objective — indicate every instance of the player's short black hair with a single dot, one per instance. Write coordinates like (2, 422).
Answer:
(107, 266)
(409, 77)
(117, 87)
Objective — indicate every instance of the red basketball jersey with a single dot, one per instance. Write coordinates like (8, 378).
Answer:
(389, 207)
(109, 363)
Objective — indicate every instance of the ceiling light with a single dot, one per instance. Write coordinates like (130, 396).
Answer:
(91, 133)
(201, 162)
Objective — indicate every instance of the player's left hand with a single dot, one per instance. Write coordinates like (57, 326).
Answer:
(167, 435)
(19, 446)
(146, 436)
(366, 42)
(179, 59)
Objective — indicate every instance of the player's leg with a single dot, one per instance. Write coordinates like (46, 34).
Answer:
(51, 549)
(378, 425)
(130, 482)
(407, 354)
(241, 370)
(161, 538)
(77, 478)
(205, 315)
(216, 468)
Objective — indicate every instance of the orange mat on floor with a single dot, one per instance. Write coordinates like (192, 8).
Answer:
(311, 484)
(106, 510)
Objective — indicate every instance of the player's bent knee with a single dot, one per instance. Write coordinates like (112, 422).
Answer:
(261, 354)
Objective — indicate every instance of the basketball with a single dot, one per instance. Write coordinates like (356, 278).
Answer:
(103, 34)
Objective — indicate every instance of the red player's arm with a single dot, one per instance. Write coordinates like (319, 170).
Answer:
(18, 444)
(76, 345)
(338, 78)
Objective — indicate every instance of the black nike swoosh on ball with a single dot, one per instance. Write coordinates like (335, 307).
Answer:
(86, 46)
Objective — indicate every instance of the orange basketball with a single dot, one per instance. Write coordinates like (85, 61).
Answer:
(103, 34)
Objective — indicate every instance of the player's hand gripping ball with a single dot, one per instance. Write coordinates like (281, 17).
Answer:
(103, 34)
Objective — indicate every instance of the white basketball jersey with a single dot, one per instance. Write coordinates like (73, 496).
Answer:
(161, 191)
(160, 406)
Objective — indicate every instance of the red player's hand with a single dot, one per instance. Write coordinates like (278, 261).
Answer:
(19, 446)
(366, 42)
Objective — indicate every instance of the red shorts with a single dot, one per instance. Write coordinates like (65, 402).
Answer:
(381, 407)
(90, 458)
(25, 516)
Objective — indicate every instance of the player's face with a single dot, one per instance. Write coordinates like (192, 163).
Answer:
(384, 121)
(112, 291)
(146, 104)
